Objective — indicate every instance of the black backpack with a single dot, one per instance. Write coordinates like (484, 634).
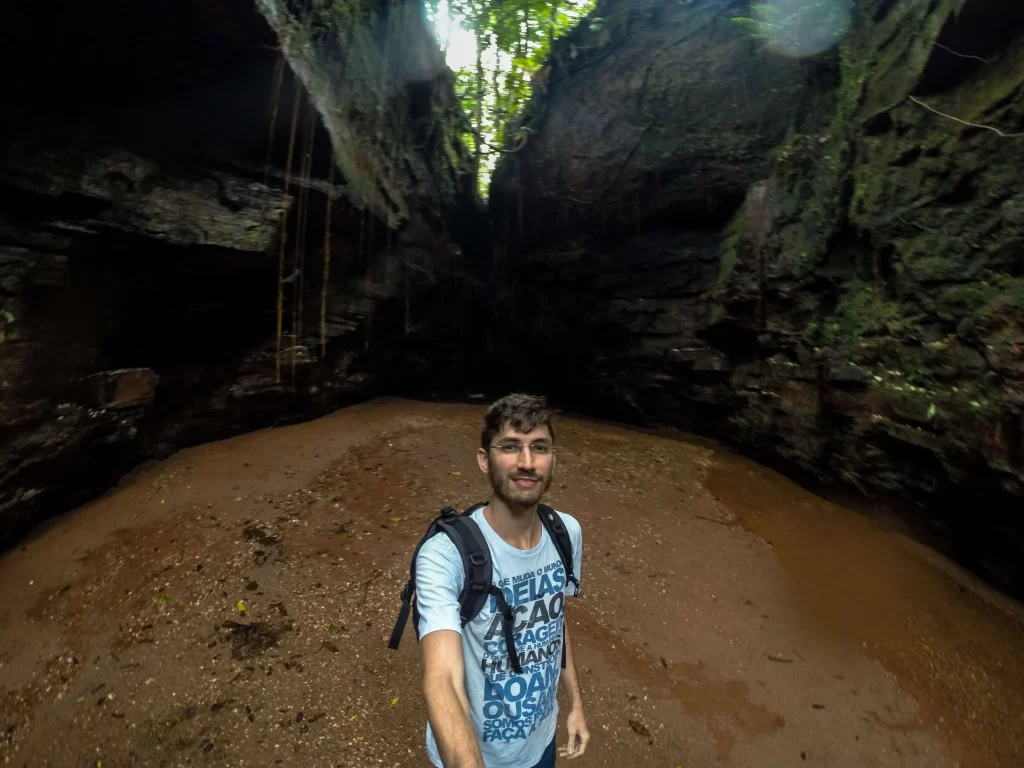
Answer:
(465, 534)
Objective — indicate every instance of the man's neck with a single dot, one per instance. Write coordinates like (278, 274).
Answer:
(520, 527)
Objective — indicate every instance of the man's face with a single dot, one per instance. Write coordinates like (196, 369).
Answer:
(520, 464)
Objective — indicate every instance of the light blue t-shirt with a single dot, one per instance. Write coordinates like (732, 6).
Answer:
(514, 715)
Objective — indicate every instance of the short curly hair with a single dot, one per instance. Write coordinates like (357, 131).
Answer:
(522, 412)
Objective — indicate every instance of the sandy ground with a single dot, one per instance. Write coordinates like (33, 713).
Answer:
(230, 606)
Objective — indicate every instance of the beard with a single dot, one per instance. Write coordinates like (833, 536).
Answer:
(506, 489)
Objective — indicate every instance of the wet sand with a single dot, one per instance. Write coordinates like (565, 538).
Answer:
(728, 617)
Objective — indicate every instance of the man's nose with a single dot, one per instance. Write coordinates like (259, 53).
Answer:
(525, 458)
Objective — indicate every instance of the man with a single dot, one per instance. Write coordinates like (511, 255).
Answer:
(482, 714)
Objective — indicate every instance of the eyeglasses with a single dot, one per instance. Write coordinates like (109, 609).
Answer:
(513, 448)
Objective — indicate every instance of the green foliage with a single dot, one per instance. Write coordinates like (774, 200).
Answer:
(765, 20)
(729, 251)
(344, 14)
(967, 298)
(513, 39)
(753, 26)
(981, 305)
(1015, 293)
(797, 26)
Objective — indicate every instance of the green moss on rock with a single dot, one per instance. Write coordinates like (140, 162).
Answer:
(982, 304)
(861, 312)
(729, 250)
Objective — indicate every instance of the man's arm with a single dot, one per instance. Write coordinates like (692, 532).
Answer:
(447, 705)
(570, 683)
(575, 722)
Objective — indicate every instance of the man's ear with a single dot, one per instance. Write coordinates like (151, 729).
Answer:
(483, 460)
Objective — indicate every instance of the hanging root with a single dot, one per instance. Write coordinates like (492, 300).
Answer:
(964, 122)
(300, 235)
(284, 227)
(327, 257)
(275, 102)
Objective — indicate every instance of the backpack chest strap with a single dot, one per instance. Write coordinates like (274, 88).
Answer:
(508, 621)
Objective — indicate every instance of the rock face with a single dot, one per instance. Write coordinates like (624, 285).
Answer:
(619, 101)
(178, 261)
(818, 260)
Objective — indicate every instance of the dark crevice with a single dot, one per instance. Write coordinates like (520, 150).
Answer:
(883, 10)
(192, 81)
(883, 269)
(970, 41)
(739, 343)
(844, 257)
(964, 192)
(1015, 438)
(420, 99)
(182, 307)
(687, 217)
(878, 125)
(917, 465)
(909, 157)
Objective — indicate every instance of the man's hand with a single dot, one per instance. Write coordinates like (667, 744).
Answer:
(576, 724)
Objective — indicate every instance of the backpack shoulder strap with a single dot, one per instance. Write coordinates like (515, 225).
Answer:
(479, 587)
(474, 508)
(563, 544)
(560, 536)
(465, 534)
(476, 564)
(410, 587)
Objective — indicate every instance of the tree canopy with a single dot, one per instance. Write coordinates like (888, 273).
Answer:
(496, 49)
